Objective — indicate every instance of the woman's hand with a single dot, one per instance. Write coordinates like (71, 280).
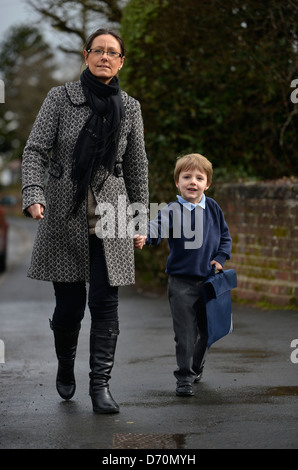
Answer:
(139, 241)
(36, 211)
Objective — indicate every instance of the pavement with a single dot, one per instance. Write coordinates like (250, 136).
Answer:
(247, 399)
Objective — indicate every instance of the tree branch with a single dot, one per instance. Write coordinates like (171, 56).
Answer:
(286, 124)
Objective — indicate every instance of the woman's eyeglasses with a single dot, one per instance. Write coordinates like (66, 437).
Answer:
(110, 54)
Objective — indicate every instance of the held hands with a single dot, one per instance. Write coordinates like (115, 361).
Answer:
(139, 241)
(36, 211)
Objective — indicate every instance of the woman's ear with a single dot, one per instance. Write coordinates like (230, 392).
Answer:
(85, 56)
(122, 62)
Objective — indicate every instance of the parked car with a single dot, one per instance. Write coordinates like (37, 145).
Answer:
(3, 240)
(8, 200)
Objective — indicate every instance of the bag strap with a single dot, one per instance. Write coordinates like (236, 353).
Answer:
(213, 270)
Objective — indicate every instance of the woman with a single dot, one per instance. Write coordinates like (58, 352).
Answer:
(88, 137)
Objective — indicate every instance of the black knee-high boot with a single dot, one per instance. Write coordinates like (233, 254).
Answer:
(66, 347)
(103, 340)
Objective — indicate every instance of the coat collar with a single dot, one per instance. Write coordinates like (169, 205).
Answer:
(76, 94)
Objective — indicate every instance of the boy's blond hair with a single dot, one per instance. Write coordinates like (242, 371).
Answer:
(193, 161)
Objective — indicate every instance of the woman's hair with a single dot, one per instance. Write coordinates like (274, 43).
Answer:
(101, 31)
(193, 161)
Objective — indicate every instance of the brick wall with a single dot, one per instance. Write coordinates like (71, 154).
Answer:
(263, 221)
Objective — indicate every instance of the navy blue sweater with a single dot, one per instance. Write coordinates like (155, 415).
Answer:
(195, 237)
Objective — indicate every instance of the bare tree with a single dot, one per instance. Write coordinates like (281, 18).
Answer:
(27, 67)
(76, 18)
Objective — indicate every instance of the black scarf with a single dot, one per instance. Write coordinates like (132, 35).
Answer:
(98, 140)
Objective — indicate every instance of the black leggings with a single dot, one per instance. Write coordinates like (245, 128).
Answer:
(71, 297)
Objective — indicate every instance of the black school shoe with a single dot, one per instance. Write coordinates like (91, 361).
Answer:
(198, 377)
(184, 390)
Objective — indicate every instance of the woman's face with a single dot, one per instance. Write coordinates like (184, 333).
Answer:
(101, 65)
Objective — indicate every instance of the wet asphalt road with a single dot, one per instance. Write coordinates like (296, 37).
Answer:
(248, 398)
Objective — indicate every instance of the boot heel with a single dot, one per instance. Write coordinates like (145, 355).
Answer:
(103, 340)
(103, 402)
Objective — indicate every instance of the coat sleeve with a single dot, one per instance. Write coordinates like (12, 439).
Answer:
(37, 152)
(135, 163)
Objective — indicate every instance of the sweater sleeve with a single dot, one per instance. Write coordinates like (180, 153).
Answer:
(225, 245)
(162, 226)
(154, 236)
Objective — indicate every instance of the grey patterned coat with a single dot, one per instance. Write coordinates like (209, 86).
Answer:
(61, 248)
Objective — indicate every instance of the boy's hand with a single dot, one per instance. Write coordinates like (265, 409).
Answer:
(218, 266)
(139, 241)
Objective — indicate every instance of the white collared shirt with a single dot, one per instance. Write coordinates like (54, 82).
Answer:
(189, 205)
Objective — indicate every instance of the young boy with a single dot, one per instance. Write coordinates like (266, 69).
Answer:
(198, 237)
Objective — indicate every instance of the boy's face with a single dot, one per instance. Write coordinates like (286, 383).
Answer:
(192, 184)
